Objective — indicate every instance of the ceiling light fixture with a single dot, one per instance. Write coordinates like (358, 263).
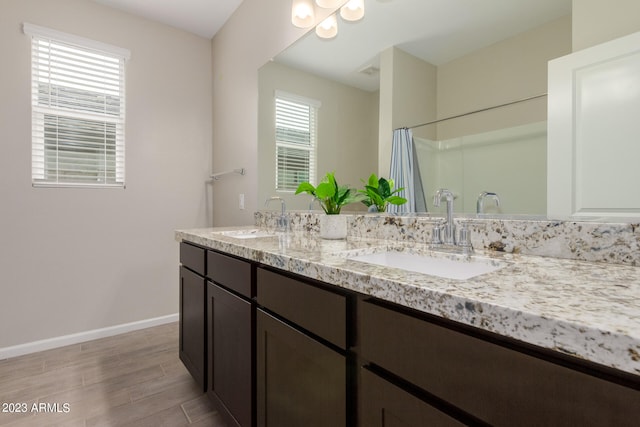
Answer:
(302, 13)
(353, 10)
(328, 28)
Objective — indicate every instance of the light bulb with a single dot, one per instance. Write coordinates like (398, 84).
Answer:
(353, 10)
(302, 13)
(328, 28)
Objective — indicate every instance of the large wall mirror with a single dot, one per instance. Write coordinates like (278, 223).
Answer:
(410, 62)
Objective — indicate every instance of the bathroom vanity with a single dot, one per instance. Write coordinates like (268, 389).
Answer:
(300, 333)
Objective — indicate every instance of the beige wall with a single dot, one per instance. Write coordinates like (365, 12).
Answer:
(408, 88)
(347, 135)
(598, 21)
(75, 260)
(509, 70)
(257, 31)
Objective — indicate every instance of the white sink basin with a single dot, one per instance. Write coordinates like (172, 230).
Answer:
(448, 266)
(245, 233)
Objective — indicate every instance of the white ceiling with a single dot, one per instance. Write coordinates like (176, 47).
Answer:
(434, 30)
(201, 17)
(437, 31)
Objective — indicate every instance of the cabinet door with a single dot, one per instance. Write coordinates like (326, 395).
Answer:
(300, 382)
(192, 324)
(230, 348)
(382, 404)
(593, 127)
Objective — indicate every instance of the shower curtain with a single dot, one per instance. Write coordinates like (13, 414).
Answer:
(405, 173)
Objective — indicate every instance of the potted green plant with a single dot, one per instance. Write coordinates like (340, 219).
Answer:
(379, 192)
(332, 197)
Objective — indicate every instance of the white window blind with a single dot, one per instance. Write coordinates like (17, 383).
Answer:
(78, 110)
(296, 129)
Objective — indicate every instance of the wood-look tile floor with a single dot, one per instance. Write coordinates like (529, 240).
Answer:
(133, 379)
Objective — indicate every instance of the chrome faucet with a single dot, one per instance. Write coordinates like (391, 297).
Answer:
(444, 234)
(283, 220)
(484, 195)
(449, 237)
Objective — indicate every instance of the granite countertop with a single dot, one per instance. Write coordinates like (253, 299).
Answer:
(584, 309)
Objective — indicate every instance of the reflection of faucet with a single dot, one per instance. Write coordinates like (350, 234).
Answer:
(484, 195)
(314, 200)
(449, 227)
(283, 221)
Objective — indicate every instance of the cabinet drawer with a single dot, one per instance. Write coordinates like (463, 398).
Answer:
(317, 310)
(230, 272)
(491, 382)
(193, 257)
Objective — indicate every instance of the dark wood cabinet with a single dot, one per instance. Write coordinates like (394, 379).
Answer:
(498, 383)
(320, 311)
(275, 349)
(231, 338)
(217, 338)
(230, 346)
(232, 273)
(193, 312)
(194, 258)
(302, 356)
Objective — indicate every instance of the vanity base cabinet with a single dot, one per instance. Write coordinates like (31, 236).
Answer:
(302, 347)
(230, 338)
(498, 384)
(274, 349)
(192, 332)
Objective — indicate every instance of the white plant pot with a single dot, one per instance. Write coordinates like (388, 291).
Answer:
(333, 227)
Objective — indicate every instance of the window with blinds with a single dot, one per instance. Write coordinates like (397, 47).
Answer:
(78, 110)
(296, 128)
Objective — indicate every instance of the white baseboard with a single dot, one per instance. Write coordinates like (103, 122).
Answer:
(33, 347)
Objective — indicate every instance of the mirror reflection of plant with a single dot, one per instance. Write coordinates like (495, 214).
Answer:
(379, 192)
(332, 197)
